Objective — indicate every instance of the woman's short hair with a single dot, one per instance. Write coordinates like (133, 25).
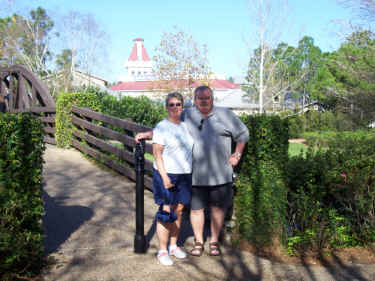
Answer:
(174, 95)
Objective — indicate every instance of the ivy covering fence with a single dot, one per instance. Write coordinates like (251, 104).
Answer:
(21, 205)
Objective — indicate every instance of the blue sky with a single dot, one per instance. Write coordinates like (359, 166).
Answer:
(223, 25)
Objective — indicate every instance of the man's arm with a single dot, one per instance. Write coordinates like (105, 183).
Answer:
(145, 135)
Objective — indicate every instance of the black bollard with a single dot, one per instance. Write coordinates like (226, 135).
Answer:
(139, 239)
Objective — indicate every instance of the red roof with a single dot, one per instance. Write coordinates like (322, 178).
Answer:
(149, 85)
(134, 52)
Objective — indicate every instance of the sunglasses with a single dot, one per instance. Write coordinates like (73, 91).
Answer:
(201, 125)
(178, 104)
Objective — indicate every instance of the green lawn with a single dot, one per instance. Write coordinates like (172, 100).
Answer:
(296, 148)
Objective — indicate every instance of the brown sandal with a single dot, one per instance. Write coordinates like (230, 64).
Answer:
(214, 249)
(197, 250)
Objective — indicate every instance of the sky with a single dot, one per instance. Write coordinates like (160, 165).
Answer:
(225, 26)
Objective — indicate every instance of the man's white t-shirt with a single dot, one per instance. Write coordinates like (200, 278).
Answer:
(178, 146)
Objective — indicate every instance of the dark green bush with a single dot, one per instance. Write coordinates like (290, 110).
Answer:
(260, 201)
(332, 196)
(260, 204)
(21, 206)
(141, 110)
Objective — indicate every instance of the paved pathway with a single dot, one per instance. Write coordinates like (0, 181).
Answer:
(90, 225)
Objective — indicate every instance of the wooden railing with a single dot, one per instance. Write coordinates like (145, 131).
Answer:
(22, 91)
(114, 149)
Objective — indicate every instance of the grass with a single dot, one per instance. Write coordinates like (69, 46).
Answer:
(296, 148)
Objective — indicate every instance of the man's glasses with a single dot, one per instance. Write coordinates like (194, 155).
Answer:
(201, 125)
(178, 104)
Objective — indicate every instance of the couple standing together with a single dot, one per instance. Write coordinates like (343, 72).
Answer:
(194, 166)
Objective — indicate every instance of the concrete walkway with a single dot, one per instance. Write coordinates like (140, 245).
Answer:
(90, 226)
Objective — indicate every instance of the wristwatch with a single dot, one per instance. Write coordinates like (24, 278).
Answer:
(238, 155)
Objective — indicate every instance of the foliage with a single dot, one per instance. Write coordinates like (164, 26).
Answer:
(21, 205)
(180, 62)
(260, 204)
(64, 125)
(349, 80)
(140, 110)
(297, 149)
(268, 140)
(261, 194)
(317, 121)
(25, 40)
(323, 139)
(332, 196)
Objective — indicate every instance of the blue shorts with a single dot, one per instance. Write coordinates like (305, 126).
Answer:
(180, 193)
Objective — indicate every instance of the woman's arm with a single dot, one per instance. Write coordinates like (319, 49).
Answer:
(157, 150)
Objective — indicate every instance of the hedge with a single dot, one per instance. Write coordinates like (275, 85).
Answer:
(331, 196)
(21, 205)
(141, 110)
(260, 201)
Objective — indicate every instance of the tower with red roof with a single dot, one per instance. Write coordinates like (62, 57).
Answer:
(139, 65)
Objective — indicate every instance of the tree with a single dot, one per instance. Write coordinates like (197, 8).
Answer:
(350, 83)
(85, 40)
(180, 63)
(268, 74)
(363, 9)
(26, 40)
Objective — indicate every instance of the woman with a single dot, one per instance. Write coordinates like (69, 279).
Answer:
(172, 149)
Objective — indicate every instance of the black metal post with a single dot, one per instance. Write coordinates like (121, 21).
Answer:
(139, 239)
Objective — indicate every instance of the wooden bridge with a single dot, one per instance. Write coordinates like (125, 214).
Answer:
(22, 91)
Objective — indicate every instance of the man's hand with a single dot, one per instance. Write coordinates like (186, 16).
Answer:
(234, 159)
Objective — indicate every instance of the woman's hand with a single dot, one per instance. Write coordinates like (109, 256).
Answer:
(167, 182)
(144, 135)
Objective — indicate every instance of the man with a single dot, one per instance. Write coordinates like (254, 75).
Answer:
(212, 129)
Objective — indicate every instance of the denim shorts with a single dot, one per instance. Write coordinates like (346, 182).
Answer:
(218, 196)
(180, 193)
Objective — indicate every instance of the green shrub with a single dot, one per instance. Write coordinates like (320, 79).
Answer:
(331, 196)
(317, 121)
(324, 138)
(260, 204)
(268, 140)
(64, 125)
(141, 110)
(21, 206)
(260, 201)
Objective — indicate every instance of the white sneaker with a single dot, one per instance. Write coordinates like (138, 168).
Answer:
(177, 252)
(164, 258)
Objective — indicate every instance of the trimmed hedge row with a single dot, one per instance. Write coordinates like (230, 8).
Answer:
(21, 205)
(260, 202)
(141, 110)
(332, 196)
(317, 200)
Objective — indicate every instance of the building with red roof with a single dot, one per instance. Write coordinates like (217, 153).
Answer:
(139, 80)
(139, 66)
